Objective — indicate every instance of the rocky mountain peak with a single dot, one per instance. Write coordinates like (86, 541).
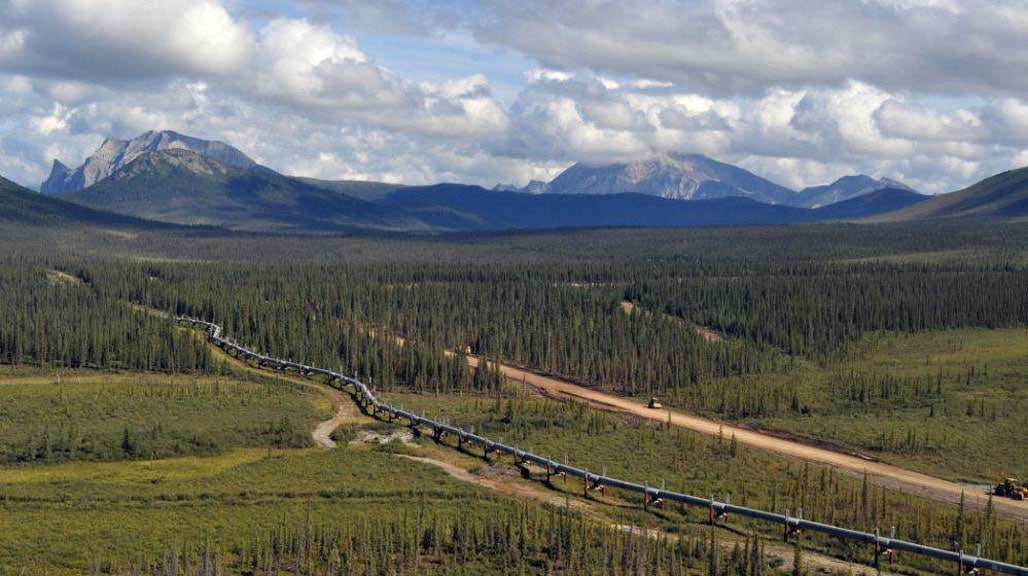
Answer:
(669, 175)
(114, 154)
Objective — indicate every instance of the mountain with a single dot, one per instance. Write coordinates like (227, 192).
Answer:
(114, 154)
(181, 186)
(845, 188)
(675, 176)
(24, 206)
(880, 201)
(461, 207)
(1004, 195)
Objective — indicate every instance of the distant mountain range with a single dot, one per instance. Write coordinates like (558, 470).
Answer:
(674, 176)
(168, 177)
(845, 188)
(697, 177)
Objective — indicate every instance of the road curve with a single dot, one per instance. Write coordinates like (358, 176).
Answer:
(880, 473)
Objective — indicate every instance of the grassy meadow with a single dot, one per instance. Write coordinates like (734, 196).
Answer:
(951, 403)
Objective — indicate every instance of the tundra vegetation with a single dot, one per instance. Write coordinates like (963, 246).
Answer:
(128, 446)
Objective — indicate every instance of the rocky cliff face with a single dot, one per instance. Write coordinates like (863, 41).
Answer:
(114, 154)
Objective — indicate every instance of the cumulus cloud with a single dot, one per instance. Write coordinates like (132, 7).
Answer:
(915, 122)
(120, 39)
(801, 92)
(747, 46)
(309, 66)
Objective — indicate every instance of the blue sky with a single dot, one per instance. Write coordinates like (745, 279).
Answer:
(504, 92)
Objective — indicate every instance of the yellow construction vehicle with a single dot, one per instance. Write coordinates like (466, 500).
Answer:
(1011, 488)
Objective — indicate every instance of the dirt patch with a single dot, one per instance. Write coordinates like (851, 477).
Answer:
(706, 333)
(58, 278)
(495, 472)
(346, 411)
(505, 482)
(401, 435)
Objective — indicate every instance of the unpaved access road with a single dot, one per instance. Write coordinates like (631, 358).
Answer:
(346, 411)
(880, 473)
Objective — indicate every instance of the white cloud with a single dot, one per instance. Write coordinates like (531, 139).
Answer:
(117, 39)
(294, 58)
(802, 92)
(915, 122)
(748, 46)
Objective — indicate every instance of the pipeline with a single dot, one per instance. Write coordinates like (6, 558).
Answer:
(967, 563)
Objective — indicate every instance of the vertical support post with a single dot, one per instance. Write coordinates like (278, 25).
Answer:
(878, 550)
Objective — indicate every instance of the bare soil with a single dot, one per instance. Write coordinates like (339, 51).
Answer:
(706, 333)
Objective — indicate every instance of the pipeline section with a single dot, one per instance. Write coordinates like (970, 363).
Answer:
(967, 563)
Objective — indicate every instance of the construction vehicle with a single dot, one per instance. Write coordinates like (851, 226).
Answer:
(1011, 488)
(654, 404)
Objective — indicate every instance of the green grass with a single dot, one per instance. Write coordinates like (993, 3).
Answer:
(54, 416)
(64, 517)
(955, 403)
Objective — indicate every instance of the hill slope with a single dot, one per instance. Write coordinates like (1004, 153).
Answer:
(370, 191)
(460, 207)
(880, 201)
(677, 176)
(114, 154)
(181, 186)
(1004, 195)
(23, 206)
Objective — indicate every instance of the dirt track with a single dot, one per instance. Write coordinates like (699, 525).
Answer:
(346, 410)
(880, 473)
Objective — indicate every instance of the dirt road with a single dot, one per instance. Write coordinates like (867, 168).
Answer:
(880, 473)
(346, 411)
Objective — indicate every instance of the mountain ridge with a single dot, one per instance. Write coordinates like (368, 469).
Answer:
(24, 206)
(667, 175)
(845, 188)
(184, 187)
(695, 177)
(114, 154)
(1003, 195)
(880, 201)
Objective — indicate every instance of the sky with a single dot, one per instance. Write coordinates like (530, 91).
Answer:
(930, 92)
